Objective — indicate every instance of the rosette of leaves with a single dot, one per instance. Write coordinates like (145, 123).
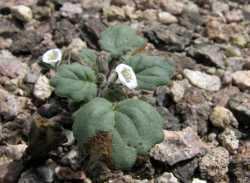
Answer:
(131, 126)
(75, 81)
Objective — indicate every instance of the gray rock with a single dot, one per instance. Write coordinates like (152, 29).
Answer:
(214, 165)
(71, 10)
(219, 7)
(184, 171)
(240, 106)
(171, 38)
(242, 79)
(11, 66)
(178, 146)
(203, 80)
(222, 118)
(10, 105)
(208, 54)
(30, 176)
(229, 140)
(167, 178)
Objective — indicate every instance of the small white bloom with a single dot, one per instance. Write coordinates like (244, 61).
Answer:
(126, 76)
(52, 56)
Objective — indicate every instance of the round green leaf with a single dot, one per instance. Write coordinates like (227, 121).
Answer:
(120, 39)
(135, 127)
(151, 71)
(75, 81)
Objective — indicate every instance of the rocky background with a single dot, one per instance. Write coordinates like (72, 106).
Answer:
(206, 108)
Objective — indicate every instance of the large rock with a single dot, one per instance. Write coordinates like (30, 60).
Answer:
(208, 54)
(178, 146)
(214, 165)
(242, 79)
(203, 80)
(171, 38)
(240, 106)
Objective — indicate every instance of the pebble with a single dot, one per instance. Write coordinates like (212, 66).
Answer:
(42, 89)
(214, 165)
(178, 146)
(234, 15)
(172, 6)
(221, 117)
(114, 12)
(71, 10)
(167, 178)
(229, 140)
(203, 80)
(23, 13)
(75, 47)
(178, 88)
(219, 7)
(242, 79)
(195, 180)
(150, 14)
(166, 18)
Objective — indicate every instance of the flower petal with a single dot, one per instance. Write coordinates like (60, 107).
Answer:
(126, 76)
(52, 56)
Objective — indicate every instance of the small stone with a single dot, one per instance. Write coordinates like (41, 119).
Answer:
(178, 146)
(65, 173)
(203, 80)
(23, 13)
(11, 105)
(215, 30)
(195, 180)
(219, 7)
(150, 14)
(229, 140)
(231, 51)
(222, 118)
(240, 106)
(11, 66)
(178, 89)
(72, 159)
(166, 18)
(172, 6)
(71, 10)
(214, 165)
(234, 15)
(114, 12)
(130, 12)
(42, 89)
(242, 79)
(167, 178)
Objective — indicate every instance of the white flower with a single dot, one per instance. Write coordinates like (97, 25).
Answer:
(52, 56)
(126, 76)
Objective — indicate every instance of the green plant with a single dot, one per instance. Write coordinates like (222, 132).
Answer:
(119, 130)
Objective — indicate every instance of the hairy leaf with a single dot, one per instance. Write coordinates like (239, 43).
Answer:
(75, 81)
(151, 71)
(120, 39)
(135, 127)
